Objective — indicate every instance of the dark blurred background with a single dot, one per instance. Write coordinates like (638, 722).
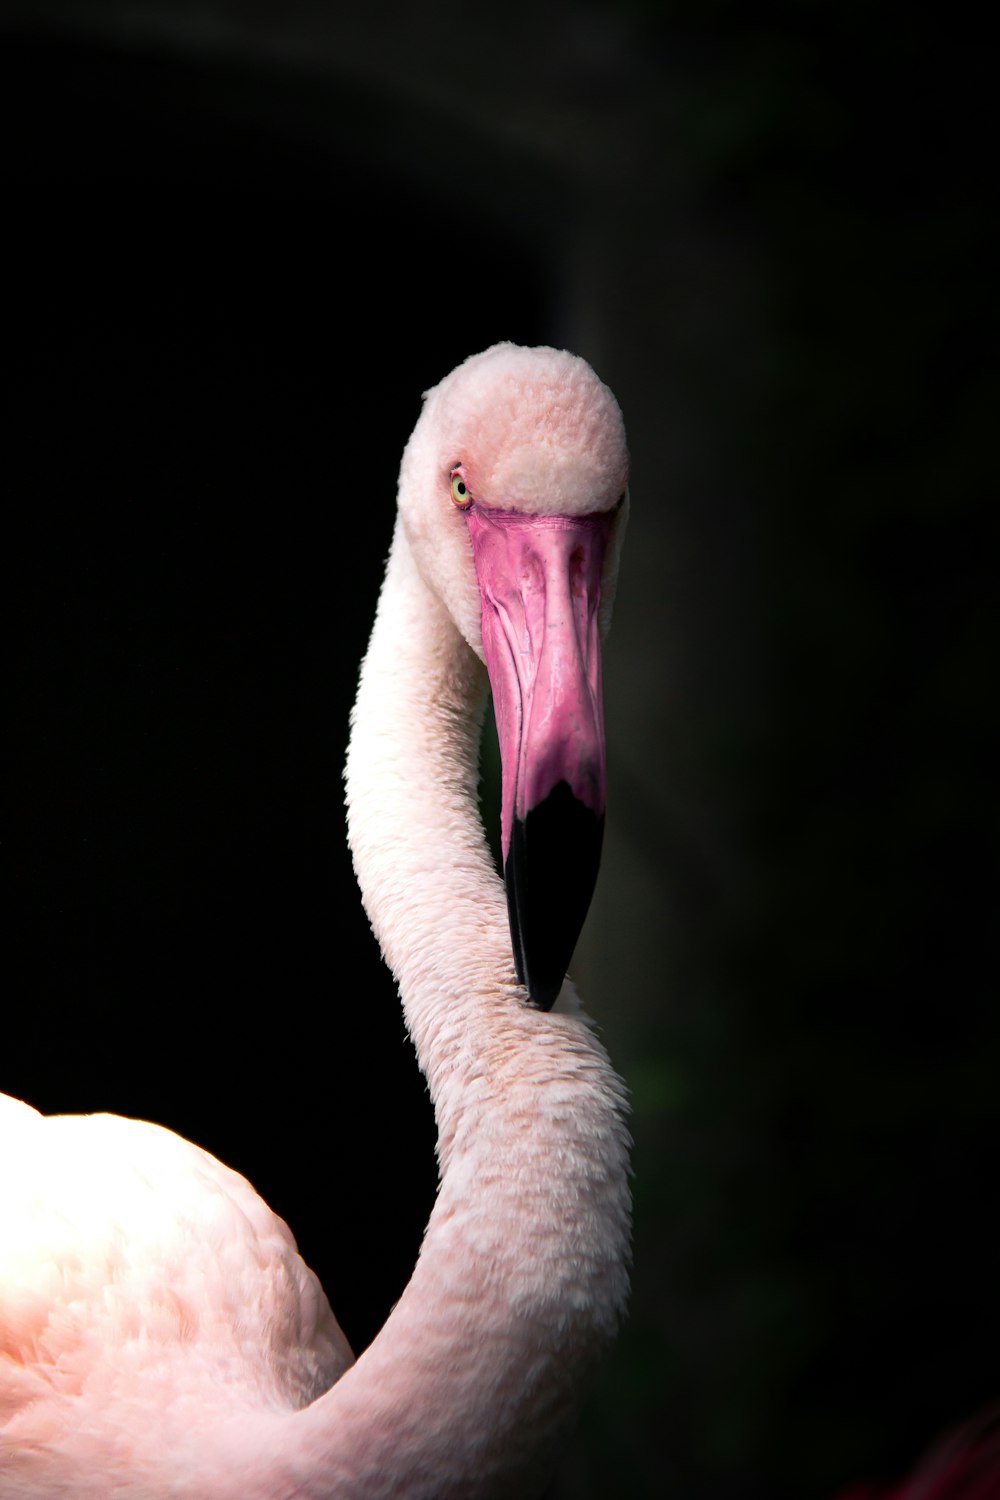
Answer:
(240, 239)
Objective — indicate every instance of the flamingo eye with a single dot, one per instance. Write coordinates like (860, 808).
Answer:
(459, 490)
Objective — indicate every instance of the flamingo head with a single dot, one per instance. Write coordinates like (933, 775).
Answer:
(513, 497)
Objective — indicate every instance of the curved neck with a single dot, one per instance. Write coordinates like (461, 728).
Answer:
(426, 876)
(521, 1276)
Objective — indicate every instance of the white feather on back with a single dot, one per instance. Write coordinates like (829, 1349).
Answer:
(127, 1253)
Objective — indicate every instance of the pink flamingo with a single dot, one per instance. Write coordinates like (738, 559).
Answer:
(159, 1334)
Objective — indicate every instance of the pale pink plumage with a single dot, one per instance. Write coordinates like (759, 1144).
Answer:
(159, 1334)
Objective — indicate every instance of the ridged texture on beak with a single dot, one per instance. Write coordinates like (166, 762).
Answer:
(540, 582)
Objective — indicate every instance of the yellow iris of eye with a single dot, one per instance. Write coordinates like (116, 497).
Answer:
(460, 491)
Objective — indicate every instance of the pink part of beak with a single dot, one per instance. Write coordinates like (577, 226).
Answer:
(540, 583)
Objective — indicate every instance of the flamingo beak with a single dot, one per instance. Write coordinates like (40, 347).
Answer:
(540, 584)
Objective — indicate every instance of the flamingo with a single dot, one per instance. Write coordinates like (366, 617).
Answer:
(159, 1334)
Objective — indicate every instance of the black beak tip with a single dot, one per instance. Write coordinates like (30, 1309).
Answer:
(550, 874)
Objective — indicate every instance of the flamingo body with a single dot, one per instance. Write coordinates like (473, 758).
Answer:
(160, 1337)
(151, 1245)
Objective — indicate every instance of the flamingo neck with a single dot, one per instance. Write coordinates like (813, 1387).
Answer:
(521, 1277)
(426, 876)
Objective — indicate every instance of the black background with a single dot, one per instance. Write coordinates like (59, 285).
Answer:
(230, 274)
